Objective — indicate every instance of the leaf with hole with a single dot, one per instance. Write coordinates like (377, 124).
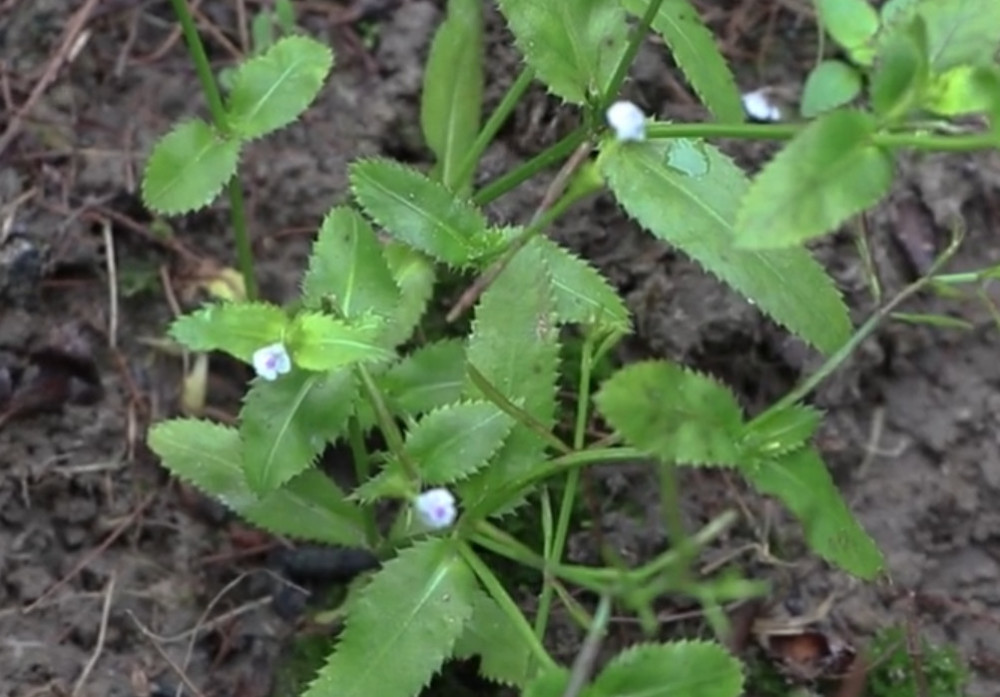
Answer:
(830, 171)
(188, 168)
(830, 84)
(273, 89)
(787, 284)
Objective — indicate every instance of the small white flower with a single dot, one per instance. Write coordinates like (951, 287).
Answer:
(271, 361)
(627, 121)
(436, 508)
(759, 106)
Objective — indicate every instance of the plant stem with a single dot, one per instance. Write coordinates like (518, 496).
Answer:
(543, 160)
(625, 62)
(237, 212)
(493, 124)
(583, 666)
(503, 599)
(362, 471)
(393, 436)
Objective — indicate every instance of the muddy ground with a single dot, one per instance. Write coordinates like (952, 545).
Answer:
(114, 581)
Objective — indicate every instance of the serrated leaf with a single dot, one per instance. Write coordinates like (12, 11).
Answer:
(902, 72)
(959, 32)
(673, 414)
(273, 89)
(503, 655)
(830, 84)
(414, 274)
(429, 378)
(188, 168)
(581, 294)
(453, 90)
(286, 423)
(347, 266)
(573, 45)
(852, 24)
(239, 329)
(696, 53)
(775, 433)
(802, 482)
(787, 284)
(320, 342)
(402, 626)
(514, 345)
(681, 668)
(827, 173)
(421, 212)
(452, 442)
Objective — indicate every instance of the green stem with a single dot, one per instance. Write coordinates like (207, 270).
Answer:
(393, 436)
(625, 62)
(362, 471)
(583, 666)
(237, 212)
(503, 599)
(517, 176)
(494, 123)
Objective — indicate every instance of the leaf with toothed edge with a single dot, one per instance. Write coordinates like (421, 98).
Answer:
(188, 168)
(787, 284)
(415, 276)
(402, 625)
(320, 342)
(688, 668)
(503, 656)
(239, 329)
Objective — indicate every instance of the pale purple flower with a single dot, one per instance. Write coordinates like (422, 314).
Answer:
(436, 508)
(271, 361)
(627, 121)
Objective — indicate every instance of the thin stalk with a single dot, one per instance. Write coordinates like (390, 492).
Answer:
(494, 123)
(362, 471)
(393, 436)
(583, 666)
(237, 210)
(625, 62)
(503, 599)
(517, 176)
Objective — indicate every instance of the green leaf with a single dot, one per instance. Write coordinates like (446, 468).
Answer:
(422, 213)
(581, 293)
(959, 32)
(261, 33)
(453, 90)
(503, 655)
(402, 626)
(677, 669)
(775, 433)
(902, 72)
(551, 683)
(831, 84)
(672, 413)
(452, 442)
(802, 482)
(239, 329)
(429, 378)
(852, 24)
(785, 283)
(347, 266)
(273, 89)
(830, 171)
(573, 45)
(284, 14)
(514, 345)
(964, 90)
(414, 274)
(695, 51)
(188, 168)
(320, 342)
(286, 423)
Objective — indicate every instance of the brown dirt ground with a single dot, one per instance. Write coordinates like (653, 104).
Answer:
(106, 565)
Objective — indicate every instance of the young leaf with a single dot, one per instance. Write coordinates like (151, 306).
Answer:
(453, 90)
(803, 483)
(286, 423)
(693, 47)
(964, 90)
(402, 626)
(514, 345)
(775, 433)
(902, 72)
(688, 668)
(284, 14)
(188, 168)
(422, 213)
(429, 378)
(452, 442)
(829, 172)
(273, 89)
(503, 655)
(581, 293)
(347, 266)
(785, 283)
(676, 415)
(852, 24)
(415, 276)
(959, 32)
(239, 329)
(573, 45)
(831, 84)
(320, 342)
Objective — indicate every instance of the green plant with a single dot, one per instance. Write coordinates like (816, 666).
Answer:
(900, 668)
(471, 423)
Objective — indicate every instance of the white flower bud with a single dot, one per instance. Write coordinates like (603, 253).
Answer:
(759, 106)
(271, 361)
(627, 121)
(435, 508)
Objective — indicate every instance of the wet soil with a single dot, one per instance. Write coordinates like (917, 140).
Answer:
(115, 581)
